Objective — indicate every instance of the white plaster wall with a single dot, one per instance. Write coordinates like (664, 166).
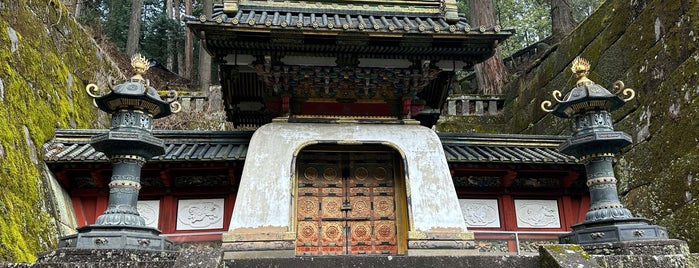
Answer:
(264, 196)
(62, 206)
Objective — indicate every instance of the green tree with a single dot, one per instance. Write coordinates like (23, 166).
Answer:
(532, 19)
(584, 8)
(93, 15)
(116, 23)
(158, 30)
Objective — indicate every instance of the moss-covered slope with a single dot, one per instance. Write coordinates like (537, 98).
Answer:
(45, 60)
(651, 45)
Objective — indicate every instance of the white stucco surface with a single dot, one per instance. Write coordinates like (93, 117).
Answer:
(265, 193)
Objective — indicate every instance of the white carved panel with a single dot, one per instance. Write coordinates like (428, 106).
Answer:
(197, 214)
(480, 212)
(150, 211)
(537, 214)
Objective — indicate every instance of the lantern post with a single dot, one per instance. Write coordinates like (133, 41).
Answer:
(595, 143)
(128, 144)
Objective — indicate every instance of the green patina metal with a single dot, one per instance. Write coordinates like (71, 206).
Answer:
(128, 144)
(595, 143)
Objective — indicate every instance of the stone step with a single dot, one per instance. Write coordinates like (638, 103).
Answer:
(492, 261)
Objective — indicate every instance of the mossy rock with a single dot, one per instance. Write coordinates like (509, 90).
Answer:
(45, 60)
(651, 45)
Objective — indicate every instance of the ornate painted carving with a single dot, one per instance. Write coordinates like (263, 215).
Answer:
(441, 244)
(380, 173)
(360, 207)
(330, 175)
(385, 231)
(308, 207)
(331, 207)
(384, 206)
(332, 233)
(310, 174)
(195, 214)
(480, 212)
(477, 181)
(529, 183)
(135, 119)
(537, 213)
(585, 123)
(202, 181)
(360, 231)
(307, 233)
(346, 82)
(258, 245)
(492, 246)
(149, 210)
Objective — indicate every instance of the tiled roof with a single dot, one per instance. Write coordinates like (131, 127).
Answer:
(335, 20)
(504, 148)
(72, 146)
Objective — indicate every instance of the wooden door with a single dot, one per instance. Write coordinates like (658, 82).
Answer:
(346, 203)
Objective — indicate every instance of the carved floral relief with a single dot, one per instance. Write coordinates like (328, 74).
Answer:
(196, 214)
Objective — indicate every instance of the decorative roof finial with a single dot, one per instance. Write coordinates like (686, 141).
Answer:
(581, 69)
(140, 65)
(586, 96)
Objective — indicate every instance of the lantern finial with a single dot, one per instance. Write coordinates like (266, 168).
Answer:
(140, 65)
(581, 69)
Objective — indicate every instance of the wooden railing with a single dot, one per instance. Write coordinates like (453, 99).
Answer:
(193, 101)
(524, 57)
(474, 105)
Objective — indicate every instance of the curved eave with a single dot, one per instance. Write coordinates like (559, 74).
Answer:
(436, 39)
(504, 148)
(72, 147)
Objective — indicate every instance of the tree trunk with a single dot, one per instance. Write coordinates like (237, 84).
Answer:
(188, 44)
(490, 74)
(134, 28)
(78, 9)
(170, 50)
(180, 45)
(562, 22)
(204, 58)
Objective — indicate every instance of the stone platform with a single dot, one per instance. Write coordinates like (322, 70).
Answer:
(126, 258)
(390, 261)
(662, 253)
(670, 253)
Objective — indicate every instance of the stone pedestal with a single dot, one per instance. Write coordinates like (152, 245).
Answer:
(614, 231)
(74, 257)
(117, 237)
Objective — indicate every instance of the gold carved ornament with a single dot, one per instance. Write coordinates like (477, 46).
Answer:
(140, 66)
(581, 69)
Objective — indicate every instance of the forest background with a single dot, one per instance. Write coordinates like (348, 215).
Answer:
(154, 28)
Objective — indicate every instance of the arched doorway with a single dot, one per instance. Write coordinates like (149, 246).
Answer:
(350, 200)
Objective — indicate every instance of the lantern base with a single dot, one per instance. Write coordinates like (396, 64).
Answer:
(116, 237)
(619, 230)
